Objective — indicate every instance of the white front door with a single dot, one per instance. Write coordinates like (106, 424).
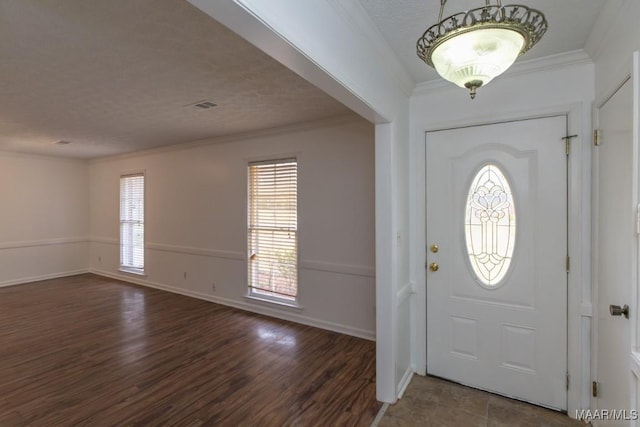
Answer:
(614, 237)
(497, 280)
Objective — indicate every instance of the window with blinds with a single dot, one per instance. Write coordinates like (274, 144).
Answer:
(132, 223)
(273, 229)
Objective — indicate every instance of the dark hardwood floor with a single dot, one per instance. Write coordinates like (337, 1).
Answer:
(92, 351)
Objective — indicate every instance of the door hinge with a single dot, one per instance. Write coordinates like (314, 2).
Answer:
(567, 143)
(594, 389)
(567, 380)
(568, 263)
(596, 137)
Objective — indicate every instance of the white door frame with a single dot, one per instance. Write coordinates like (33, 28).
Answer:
(635, 279)
(633, 73)
(579, 307)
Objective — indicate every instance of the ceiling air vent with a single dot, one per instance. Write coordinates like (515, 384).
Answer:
(202, 105)
(205, 104)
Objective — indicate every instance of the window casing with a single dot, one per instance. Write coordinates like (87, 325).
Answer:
(132, 223)
(273, 230)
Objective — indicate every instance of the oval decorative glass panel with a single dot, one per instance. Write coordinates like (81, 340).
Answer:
(490, 225)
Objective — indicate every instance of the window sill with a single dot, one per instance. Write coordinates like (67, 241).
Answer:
(132, 271)
(293, 304)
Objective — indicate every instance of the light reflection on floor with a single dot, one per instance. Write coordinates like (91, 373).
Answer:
(133, 324)
(277, 336)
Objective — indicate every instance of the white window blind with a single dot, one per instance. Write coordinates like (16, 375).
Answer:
(273, 228)
(132, 222)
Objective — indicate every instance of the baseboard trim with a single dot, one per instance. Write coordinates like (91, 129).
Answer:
(246, 306)
(25, 280)
(404, 382)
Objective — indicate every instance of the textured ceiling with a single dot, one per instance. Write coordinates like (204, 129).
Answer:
(115, 76)
(401, 22)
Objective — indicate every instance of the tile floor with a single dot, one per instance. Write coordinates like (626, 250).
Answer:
(434, 402)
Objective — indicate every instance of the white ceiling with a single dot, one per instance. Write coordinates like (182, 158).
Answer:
(115, 76)
(401, 22)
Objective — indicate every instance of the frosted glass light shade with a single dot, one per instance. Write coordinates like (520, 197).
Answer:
(474, 58)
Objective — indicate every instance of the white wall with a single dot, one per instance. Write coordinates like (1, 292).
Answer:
(612, 42)
(44, 217)
(560, 85)
(335, 46)
(196, 220)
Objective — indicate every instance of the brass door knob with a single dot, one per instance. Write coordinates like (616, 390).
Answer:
(434, 266)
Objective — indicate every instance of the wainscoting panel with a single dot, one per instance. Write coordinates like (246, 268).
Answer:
(335, 297)
(30, 261)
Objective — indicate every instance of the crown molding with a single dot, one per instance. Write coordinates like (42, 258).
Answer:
(44, 157)
(551, 62)
(297, 127)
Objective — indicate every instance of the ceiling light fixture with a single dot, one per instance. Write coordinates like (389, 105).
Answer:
(471, 48)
